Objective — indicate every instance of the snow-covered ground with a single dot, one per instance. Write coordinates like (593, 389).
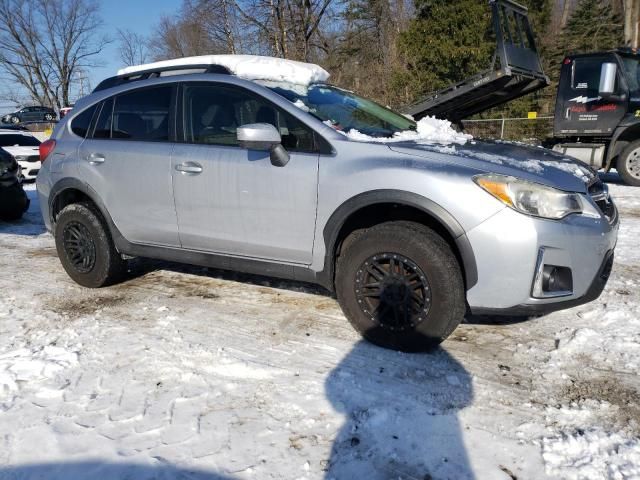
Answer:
(184, 372)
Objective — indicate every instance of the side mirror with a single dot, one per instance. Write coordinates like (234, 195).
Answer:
(608, 80)
(263, 136)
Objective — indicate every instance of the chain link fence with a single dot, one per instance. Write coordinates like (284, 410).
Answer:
(527, 130)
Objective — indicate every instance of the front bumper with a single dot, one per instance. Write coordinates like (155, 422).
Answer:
(507, 248)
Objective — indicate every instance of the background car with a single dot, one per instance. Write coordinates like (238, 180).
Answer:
(24, 148)
(13, 200)
(65, 110)
(31, 114)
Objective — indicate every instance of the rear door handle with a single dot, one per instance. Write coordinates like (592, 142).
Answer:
(95, 158)
(192, 168)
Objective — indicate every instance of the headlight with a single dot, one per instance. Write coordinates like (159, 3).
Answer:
(531, 198)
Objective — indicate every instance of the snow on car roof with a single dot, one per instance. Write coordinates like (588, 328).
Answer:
(249, 67)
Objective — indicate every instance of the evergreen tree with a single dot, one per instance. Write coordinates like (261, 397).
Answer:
(445, 43)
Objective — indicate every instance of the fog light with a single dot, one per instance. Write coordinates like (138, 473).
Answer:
(551, 280)
(556, 279)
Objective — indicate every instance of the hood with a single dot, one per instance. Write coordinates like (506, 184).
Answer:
(535, 164)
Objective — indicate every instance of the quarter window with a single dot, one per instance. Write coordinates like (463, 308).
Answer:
(103, 125)
(80, 124)
(213, 113)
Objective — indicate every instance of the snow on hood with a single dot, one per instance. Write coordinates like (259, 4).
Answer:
(530, 163)
(429, 130)
(249, 67)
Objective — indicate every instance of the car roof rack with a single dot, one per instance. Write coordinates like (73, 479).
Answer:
(160, 72)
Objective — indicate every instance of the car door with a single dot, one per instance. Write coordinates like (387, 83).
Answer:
(232, 200)
(127, 161)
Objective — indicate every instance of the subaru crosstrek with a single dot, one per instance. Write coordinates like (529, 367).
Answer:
(258, 165)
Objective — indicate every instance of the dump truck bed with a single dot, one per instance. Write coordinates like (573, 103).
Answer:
(516, 71)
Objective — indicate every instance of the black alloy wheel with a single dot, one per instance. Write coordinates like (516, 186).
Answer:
(79, 247)
(393, 291)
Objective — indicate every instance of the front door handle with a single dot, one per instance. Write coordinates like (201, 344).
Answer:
(191, 168)
(95, 158)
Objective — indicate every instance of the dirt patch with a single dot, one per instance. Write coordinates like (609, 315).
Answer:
(631, 212)
(75, 307)
(606, 390)
(184, 286)
(43, 252)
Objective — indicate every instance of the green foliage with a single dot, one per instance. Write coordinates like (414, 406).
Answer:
(445, 43)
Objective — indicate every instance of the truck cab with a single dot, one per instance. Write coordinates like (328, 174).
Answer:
(597, 113)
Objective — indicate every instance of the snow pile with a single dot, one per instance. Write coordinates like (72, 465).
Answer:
(429, 130)
(592, 454)
(249, 67)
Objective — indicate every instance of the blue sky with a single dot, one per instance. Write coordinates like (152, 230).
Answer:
(138, 15)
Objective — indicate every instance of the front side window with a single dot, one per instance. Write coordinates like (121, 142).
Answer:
(586, 74)
(213, 113)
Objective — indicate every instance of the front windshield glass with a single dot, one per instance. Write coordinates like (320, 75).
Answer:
(9, 140)
(345, 110)
(632, 73)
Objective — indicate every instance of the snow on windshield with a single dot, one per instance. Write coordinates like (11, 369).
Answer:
(249, 67)
(429, 130)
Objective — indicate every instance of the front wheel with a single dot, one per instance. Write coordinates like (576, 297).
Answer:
(400, 285)
(628, 164)
(85, 247)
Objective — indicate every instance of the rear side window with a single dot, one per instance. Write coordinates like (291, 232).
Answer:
(142, 115)
(80, 123)
(213, 113)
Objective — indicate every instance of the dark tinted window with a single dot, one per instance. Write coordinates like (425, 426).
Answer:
(16, 139)
(586, 74)
(142, 115)
(213, 113)
(103, 125)
(80, 124)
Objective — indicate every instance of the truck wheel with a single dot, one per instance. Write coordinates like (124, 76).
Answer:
(628, 164)
(85, 247)
(400, 285)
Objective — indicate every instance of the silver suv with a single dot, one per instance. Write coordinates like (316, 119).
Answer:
(313, 183)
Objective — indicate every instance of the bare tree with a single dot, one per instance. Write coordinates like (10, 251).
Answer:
(43, 43)
(132, 47)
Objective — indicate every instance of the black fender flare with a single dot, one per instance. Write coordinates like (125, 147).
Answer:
(70, 183)
(437, 212)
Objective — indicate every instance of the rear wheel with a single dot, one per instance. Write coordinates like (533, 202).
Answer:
(85, 247)
(400, 286)
(628, 164)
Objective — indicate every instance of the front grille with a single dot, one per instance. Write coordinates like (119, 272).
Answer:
(600, 194)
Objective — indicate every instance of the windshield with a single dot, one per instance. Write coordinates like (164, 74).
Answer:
(346, 111)
(20, 140)
(632, 73)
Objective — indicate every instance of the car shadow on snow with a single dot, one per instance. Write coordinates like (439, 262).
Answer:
(31, 223)
(105, 471)
(401, 415)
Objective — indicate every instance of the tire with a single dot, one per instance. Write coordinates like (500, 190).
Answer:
(85, 247)
(416, 307)
(48, 117)
(628, 164)
(13, 202)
